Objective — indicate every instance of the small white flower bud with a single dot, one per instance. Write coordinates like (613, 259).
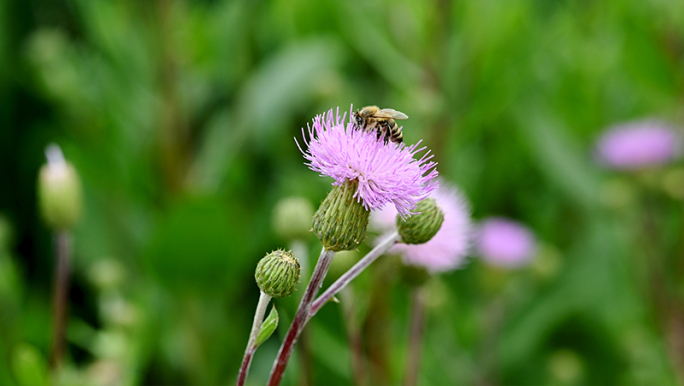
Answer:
(59, 191)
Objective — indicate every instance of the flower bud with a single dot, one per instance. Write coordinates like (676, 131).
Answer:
(340, 222)
(277, 274)
(292, 218)
(59, 191)
(421, 227)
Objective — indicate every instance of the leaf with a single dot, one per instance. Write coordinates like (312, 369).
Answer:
(560, 157)
(29, 366)
(268, 327)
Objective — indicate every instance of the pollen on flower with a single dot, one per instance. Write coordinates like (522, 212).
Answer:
(386, 173)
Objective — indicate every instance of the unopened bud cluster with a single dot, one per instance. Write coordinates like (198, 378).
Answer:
(421, 227)
(277, 274)
(340, 222)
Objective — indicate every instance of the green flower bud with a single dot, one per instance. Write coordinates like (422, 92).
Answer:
(59, 191)
(341, 221)
(420, 228)
(277, 274)
(292, 218)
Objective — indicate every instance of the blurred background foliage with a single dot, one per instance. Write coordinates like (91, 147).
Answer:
(180, 118)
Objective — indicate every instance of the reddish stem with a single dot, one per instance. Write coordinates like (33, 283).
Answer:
(301, 317)
(244, 367)
(353, 272)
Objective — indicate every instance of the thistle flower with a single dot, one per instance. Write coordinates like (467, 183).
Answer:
(505, 242)
(385, 173)
(638, 144)
(448, 248)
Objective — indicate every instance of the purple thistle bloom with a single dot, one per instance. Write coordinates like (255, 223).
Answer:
(505, 242)
(638, 144)
(449, 247)
(386, 173)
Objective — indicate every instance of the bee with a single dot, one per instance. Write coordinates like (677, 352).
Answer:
(372, 118)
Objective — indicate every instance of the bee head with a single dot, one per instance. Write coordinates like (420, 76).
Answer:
(358, 119)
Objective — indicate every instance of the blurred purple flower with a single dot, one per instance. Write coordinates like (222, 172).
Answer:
(505, 242)
(448, 248)
(638, 144)
(386, 173)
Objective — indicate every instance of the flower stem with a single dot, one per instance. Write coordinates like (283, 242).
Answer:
(251, 346)
(60, 296)
(353, 272)
(415, 337)
(300, 249)
(301, 317)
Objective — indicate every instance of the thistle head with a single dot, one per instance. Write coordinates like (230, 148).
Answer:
(421, 227)
(383, 173)
(638, 144)
(505, 243)
(340, 222)
(277, 274)
(448, 247)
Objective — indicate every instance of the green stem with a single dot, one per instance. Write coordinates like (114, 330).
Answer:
(264, 299)
(301, 317)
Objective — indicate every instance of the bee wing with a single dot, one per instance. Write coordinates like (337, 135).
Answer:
(390, 113)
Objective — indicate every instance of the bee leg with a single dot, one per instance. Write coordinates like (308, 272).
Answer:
(383, 131)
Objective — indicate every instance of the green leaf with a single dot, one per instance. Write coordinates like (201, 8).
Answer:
(268, 327)
(29, 366)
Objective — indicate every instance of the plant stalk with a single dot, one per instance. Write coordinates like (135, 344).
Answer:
(353, 272)
(251, 344)
(62, 244)
(301, 317)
